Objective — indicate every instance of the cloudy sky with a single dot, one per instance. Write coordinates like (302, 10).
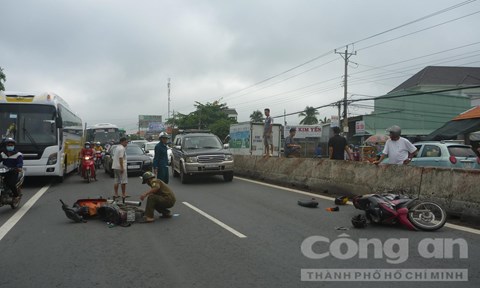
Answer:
(111, 59)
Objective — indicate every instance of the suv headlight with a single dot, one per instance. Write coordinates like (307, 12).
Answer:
(228, 157)
(147, 162)
(191, 159)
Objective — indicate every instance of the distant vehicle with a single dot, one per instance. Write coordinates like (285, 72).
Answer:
(447, 154)
(137, 161)
(139, 143)
(200, 154)
(150, 150)
(47, 132)
(104, 133)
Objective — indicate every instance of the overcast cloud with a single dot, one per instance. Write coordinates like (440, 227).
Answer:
(111, 59)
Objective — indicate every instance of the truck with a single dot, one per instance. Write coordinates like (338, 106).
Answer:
(246, 138)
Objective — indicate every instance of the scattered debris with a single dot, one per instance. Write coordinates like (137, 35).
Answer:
(311, 203)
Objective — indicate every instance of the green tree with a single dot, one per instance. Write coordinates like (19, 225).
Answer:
(256, 116)
(211, 116)
(3, 78)
(310, 116)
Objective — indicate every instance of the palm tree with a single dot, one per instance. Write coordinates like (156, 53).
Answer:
(3, 78)
(310, 116)
(256, 116)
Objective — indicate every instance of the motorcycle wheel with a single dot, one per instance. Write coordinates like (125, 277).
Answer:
(15, 205)
(89, 176)
(428, 216)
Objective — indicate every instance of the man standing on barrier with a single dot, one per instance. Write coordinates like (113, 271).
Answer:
(160, 198)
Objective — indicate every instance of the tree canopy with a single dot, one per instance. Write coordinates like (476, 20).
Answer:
(310, 116)
(256, 116)
(211, 116)
(3, 78)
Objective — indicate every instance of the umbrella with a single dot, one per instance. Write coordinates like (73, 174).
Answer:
(377, 139)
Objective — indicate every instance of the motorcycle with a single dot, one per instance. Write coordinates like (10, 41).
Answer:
(88, 168)
(6, 197)
(394, 208)
(98, 159)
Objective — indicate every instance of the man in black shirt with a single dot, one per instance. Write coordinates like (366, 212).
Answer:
(337, 146)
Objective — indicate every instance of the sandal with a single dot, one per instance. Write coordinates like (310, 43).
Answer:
(144, 220)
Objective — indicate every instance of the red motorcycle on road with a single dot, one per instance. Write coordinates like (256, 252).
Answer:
(410, 212)
(88, 168)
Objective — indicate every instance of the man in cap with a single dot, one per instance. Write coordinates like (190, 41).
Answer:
(160, 160)
(160, 197)
(398, 149)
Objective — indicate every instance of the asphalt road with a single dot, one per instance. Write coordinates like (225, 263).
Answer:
(238, 234)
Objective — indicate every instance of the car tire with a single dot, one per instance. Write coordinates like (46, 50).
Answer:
(228, 177)
(174, 172)
(184, 178)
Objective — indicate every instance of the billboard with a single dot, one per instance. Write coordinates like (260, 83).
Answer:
(305, 131)
(145, 120)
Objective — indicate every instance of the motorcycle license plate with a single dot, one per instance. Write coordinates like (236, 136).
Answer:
(134, 167)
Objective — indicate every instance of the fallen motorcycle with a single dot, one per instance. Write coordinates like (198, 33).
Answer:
(410, 212)
(6, 197)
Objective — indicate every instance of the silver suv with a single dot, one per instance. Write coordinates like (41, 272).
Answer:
(200, 154)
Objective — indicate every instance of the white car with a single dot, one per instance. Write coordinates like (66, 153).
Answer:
(150, 151)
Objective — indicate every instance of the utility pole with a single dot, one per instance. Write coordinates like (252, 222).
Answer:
(168, 87)
(345, 55)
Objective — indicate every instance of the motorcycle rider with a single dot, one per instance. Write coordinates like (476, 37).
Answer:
(98, 147)
(86, 151)
(12, 159)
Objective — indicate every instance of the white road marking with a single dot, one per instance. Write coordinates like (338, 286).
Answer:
(7, 226)
(215, 220)
(452, 226)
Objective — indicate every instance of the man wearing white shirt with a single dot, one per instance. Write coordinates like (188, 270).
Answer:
(398, 149)
(119, 166)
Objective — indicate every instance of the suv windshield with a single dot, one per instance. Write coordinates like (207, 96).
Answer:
(461, 151)
(134, 150)
(202, 142)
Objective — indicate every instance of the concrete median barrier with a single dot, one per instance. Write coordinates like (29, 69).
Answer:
(456, 189)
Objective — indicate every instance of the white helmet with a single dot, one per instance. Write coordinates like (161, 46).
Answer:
(163, 135)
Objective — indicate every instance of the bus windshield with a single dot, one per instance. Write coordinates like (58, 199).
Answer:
(103, 135)
(29, 124)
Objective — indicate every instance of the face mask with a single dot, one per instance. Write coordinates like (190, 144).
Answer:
(87, 146)
(10, 148)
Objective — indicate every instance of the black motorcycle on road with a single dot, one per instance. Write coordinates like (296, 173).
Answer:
(6, 197)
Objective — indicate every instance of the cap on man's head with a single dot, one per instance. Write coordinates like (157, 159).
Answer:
(395, 129)
(293, 129)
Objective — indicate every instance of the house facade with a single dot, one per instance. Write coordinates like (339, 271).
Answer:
(424, 102)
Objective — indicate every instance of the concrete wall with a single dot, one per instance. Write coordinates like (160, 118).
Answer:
(457, 190)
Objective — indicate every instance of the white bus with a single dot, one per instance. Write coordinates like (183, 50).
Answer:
(46, 131)
(103, 133)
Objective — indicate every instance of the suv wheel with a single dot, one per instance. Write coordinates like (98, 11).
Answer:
(228, 177)
(183, 177)
(174, 172)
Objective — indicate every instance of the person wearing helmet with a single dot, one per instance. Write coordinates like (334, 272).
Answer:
(87, 150)
(160, 160)
(398, 149)
(160, 197)
(98, 147)
(11, 158)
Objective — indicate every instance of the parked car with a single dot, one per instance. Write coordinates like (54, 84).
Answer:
(140, 143)
(150, 151)
(137, 161)
(448, 154)
(200, 154)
